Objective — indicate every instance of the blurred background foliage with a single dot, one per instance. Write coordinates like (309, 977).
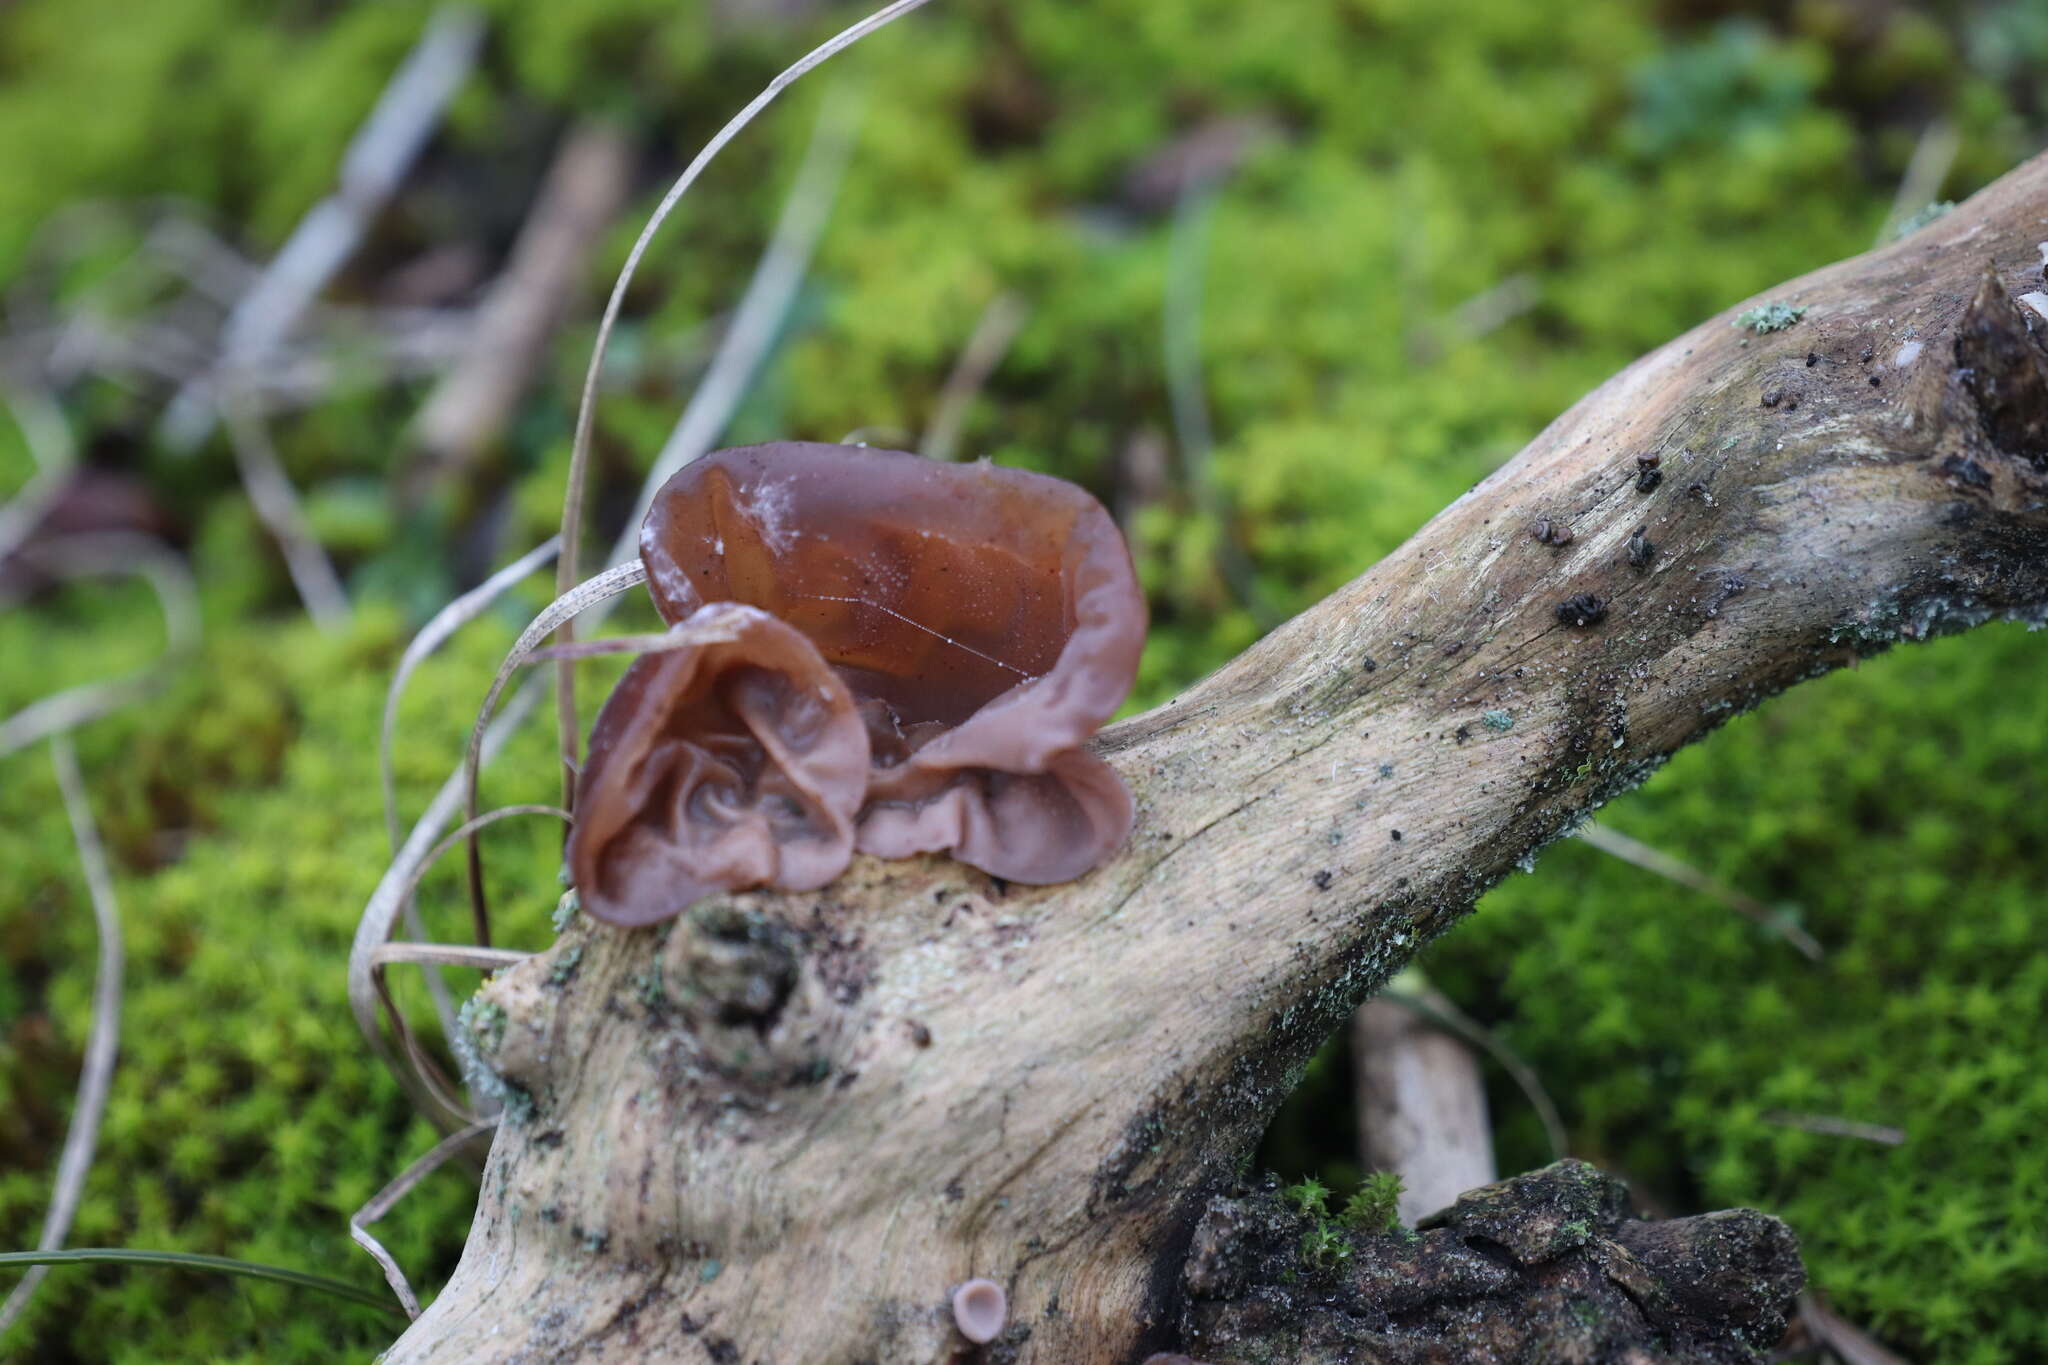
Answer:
(1430, 227)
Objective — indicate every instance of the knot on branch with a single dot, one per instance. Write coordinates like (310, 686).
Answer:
(1549, 1265)
(2004, 367)
(740, 965)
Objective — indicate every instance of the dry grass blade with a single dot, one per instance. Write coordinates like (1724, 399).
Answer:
(985, 348)
(1934, 155)
(654, 642)
(1439, 1009)
(1639, 854)
(579, 456)
(1187, 248)
(109, 555)
(191, 1260)
(456, 954)
(432, 1078)
(1827, 1125)
(381, 913)
(759, 317)
(432, 636)
(98, 1072)
(558, 613)
(277, 506)
(387, 1199)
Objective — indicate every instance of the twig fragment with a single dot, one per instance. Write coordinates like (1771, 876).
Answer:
(277, 506)
(377, 159)
(1639, 854)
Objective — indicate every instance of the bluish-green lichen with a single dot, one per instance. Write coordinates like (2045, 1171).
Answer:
(1769, 317)
(479, 1030)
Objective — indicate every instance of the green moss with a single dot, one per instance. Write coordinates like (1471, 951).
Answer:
(1685, 1043)
(1376, 1205)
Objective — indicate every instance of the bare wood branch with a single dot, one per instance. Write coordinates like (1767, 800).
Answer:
(801, 1119)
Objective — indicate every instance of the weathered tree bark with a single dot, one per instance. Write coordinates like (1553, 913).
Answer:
(782, 1128)
(1548, 1266)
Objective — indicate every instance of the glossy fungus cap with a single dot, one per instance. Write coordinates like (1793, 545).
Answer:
(984, 622)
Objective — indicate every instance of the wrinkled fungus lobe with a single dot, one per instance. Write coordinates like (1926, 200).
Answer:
(918, 651)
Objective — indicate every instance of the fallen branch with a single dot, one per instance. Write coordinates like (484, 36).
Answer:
(784, 1127)
(1421, 1106)
(471, 406)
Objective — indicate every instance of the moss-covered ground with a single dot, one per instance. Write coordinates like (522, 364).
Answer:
(1598, 174)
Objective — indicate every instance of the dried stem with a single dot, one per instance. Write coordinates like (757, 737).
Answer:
(569, 570)
(101, 1044)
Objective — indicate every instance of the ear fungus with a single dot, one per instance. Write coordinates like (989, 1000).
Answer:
(979, 1310)
(715, 766)
(983, 621)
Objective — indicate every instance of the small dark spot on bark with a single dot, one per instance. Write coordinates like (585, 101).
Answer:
(919, 1034)
(1968, 470)
(1773, 397)
(1396, 833)
(1868, 355)
(721, 1350)
(689, 1326)
(1640, 550)
(954, 1191)
(549, 1140)
(1370, 665)
(1647, 478)
(1324, 878)
(1582, 609)
(1548, 532)
(1876, 380)
(1811, 360)
(550, 1214)
(1464, 733)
